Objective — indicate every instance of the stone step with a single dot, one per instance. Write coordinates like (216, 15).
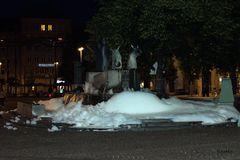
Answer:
(167, 122)
(156, 121)
(164, 124)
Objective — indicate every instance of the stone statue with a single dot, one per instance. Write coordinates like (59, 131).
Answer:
(132, 61)
(132, 67)
(103, 54)
(116, 59)
(153, 70)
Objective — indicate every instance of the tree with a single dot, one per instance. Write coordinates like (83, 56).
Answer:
(229, 43)
(121, 22)
(191, 30)
(159, 24)
(201, 25)
(116, 21)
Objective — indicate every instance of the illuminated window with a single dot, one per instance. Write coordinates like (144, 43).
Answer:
(50, 27)
(43, 27)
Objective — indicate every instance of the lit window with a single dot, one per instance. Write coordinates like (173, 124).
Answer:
(43, 27)
(50, 27)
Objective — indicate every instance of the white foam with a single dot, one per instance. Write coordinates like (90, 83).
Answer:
(131, 107)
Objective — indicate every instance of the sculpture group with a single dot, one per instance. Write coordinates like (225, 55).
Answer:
(129, 78)
(132, 60)
(108, 79)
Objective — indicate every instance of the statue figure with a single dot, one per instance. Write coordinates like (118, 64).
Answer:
(132, 67)
(153, 70)
(132, 61)
(102, 50)
(116, 59)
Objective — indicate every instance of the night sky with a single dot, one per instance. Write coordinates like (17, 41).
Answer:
(78, 10)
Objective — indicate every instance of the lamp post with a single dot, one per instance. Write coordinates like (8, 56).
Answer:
(56, 43)
(0, 69)
(55, 64)
(55, 71)
(80, 52)
(80, 66)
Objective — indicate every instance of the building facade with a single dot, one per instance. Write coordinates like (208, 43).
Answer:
(31, 54)
(182, 85)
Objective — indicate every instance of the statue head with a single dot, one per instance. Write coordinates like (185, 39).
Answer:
(136, 50)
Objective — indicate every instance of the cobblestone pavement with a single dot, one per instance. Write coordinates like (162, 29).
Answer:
(36, 143)
(207, 143)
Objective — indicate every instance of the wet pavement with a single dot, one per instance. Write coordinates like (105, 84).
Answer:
(30, 142)
(35, 142)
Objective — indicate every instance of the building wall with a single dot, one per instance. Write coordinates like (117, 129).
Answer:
(214, 87)
(8, 57)
(30, 53)
(215, 83)
(31, 27)
(179, 82)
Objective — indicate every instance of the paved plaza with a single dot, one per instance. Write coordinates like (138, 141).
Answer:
(197, 143)
(36, 143)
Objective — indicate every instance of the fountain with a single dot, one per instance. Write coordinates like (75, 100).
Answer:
(104, 83)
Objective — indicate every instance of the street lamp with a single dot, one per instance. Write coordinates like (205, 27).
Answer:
(80, 51)
(55, 74)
